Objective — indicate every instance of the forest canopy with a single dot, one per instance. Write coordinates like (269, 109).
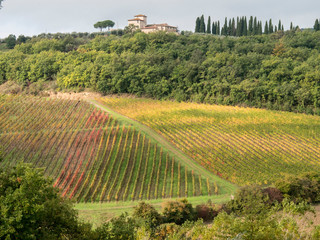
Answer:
(276, 71)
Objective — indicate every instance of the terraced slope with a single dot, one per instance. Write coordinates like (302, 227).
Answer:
(239, 144)
(91, 155)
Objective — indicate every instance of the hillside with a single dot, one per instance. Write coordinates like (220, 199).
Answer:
(278, 71)
(243, 145)
(91, 155)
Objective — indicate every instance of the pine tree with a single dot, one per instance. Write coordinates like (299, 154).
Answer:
(202, 25)
(270, 26)
(266, 28)
(197, 25)
(209, 25)
(250, 29)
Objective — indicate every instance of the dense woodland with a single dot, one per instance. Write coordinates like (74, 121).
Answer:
(276, 71)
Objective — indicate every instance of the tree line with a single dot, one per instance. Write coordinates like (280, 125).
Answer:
(241, 26)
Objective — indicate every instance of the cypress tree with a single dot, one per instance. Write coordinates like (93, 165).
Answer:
(316, 26)
(279, 25)
(209, 25)
(213, 30)
(202, 25)
(260, 27)
(275, 29)
(291, 26)
(225, 28)
(245, 27)
(282, 28)
(270, 26)
(233, 28)
(230, 27)
(255, 26)
(197, 25)
(250, 29)
(238, 30)
(266, 28)
(218, 28)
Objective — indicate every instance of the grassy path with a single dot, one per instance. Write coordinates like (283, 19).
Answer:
(97, 213)
(227, 187)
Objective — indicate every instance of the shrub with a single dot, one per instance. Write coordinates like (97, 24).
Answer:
(300, 188)
(273, 194)
(148, 214)
(206, 212)
(122, 227)
(178, 211)
(32, 209)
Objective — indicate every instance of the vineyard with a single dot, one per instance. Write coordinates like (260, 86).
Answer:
(241, 145)
(90, 155)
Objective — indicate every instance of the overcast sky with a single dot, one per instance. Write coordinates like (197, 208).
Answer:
(31, 17)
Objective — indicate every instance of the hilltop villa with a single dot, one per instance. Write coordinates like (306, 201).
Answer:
(140, 21)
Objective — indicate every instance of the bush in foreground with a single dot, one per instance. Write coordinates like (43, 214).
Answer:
(30, 208)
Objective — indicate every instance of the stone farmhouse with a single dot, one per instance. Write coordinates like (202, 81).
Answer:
(140, 21)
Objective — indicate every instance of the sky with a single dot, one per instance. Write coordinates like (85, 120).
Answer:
(32, 17)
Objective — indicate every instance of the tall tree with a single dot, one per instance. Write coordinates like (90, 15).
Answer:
(209, 25)
(291, 26)
(255, 26)
(230, 27)
(279, 25)
(214, 27)
(224, 30)
(266, 28)
(233, 28)
(316, 26)
(1, 4)
(250, 28)
(202, 25)
(270, 26)
(197, 25)
(245, 26)
(259, 27)
(238, 32)
(218, 28)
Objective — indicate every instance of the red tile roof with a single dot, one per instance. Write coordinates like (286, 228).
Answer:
(140, 15)
(135, 19)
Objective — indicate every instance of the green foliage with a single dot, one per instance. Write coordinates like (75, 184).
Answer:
(122, 227)
(11, 41)
(30, 208)
(104, 24)
(178, 211)
(276, 71)
(148, 214)
(301, 188)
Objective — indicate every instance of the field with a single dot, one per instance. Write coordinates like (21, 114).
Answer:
(91, 155)
(241, 145)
